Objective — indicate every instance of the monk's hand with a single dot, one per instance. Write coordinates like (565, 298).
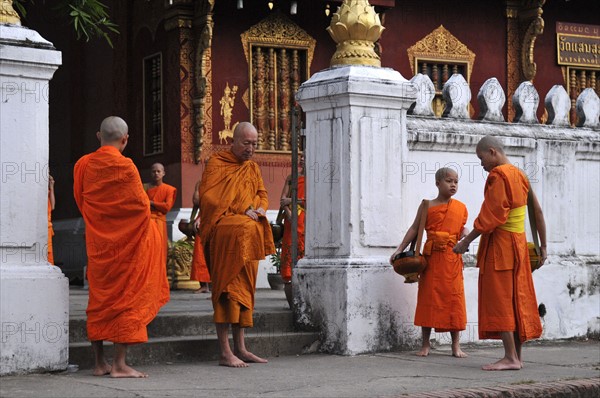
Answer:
(196, 225)
(461, 247)
(261, 212)
(543, 256)
(285, 201)
(252, 214)
(394, 255)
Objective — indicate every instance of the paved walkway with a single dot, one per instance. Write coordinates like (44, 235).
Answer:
(559, 369)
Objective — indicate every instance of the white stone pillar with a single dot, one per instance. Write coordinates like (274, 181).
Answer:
(356, 140)
(34, 295)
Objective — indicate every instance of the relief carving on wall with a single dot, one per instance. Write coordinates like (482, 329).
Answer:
(227, 103)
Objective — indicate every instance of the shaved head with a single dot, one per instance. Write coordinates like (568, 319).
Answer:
(488, 142)
(245, 141)
(443, 172)
(241, 128)
(113, 129)
(158, 166)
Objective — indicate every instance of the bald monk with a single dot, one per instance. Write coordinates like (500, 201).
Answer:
(162, 197)
(507, 303)
(51, 205)
(125, 270)
(237, 235)
(441, 297)
(199, 267)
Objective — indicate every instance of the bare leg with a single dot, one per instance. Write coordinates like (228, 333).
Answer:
(239, 346)
(227, 356)
(518, 347)
(120, 368)
(425, 346)
(456, 351)
(511, 360)
(101, 367)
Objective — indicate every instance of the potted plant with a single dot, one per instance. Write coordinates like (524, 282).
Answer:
(274, 277)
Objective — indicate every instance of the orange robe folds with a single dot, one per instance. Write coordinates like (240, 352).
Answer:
(236, 242)
(507, 301)
(126, 274)
(286, 242)
(50, 234)
(199, 268)
(163, 197)
(441, 296)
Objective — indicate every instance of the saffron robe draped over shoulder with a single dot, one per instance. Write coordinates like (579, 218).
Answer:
(441, 296)
(235, 241)
(126, 274)
(286, 242)
(507, 301)
(163, 197)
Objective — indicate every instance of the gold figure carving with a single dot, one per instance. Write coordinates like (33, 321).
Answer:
(227, 102)
(441, 46)
(535, 28)
(8, 13)
(179, 265)
(355, 27)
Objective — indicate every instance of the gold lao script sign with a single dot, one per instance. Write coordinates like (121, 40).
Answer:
(578, 44)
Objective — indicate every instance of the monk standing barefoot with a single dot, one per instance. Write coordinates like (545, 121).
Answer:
(125, 270)
(237, 235)
(441, 297)
(507, 303)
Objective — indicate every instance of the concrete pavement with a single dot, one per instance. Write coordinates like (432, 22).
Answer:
(558, 369)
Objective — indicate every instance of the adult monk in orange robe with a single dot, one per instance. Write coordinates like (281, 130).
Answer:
(51, 205)
(127, 280)
(162, 197)
(237, 235)
(441, 297)
(507, 303)
(199, 267)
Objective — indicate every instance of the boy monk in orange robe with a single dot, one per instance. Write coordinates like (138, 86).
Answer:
(127, 280)
(162, 197)
(237, 234)
(441, 298)
(199, 268)
(507, 303)
(51, 205)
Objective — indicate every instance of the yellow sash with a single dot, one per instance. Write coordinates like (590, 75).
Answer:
(515, 221)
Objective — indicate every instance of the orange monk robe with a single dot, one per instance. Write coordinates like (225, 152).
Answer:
(50, 234)
(199, 267)
(441, 297)
(286, 242)
(127, 280)
(507, 301)
(163, 197)
(236, 242)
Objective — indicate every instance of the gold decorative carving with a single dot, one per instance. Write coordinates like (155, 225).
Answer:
(441, 46)
(8, 13)
(355, 27)
(279, 31)
(227, 103)
(179, 265)
(535, 28)
(202, 97)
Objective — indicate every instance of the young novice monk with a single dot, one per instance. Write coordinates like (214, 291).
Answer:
(507, 303)
(441, 297)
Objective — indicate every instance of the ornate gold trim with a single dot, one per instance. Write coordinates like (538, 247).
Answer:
(277, 30)
(535, 28)
(441, 46)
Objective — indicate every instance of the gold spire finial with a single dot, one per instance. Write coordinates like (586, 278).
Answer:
(355, 27)
(8, 13)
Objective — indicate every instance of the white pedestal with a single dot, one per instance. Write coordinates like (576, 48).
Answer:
(34, 312)
(356, 141)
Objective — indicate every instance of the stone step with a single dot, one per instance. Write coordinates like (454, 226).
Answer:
(165, 350)
(194, 324)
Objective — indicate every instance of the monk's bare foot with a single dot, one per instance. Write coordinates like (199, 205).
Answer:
(423, 352)
(232, 361)
(101, 370)
(247, 356)
(126, 371)
(458, 353)
(503, 364)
